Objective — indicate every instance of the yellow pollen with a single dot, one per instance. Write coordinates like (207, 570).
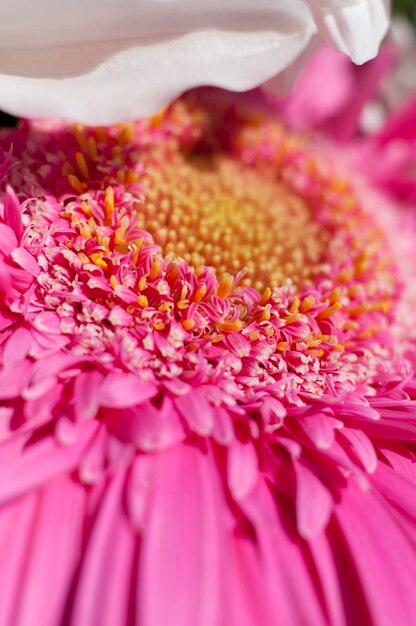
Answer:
(215, 211)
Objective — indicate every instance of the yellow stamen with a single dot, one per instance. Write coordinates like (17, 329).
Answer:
(225, 286)
(142, 284)
(231, 326)
(113, 281)
(76, 184)
(326, 313)
(82, 165)
(97, 259)
(307, 304)
(108, 205)
(142, 301)
(200, 293)
(189, 324)
(266, 296)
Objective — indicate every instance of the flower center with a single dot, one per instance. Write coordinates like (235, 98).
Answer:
(221, 213)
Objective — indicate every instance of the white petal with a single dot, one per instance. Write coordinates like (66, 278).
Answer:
(103, 61)
(108, 60)
(355, 27)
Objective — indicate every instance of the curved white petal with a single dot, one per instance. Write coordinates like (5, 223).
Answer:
(103, 61)
(355, 27)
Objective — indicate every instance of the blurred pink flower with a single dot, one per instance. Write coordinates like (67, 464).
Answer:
(207, 383)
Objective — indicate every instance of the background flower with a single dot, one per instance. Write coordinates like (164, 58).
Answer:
(106, 62)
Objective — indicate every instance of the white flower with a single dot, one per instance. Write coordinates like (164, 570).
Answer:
(102, 61)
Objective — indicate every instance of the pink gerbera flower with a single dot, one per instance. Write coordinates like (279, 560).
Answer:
(207, 382)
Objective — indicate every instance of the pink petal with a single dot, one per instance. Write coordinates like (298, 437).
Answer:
(196, 411)
(48, 322)
(375, 540)
(362, 447)
(313, 501)
(12, 380)
(148, 427)
(121, 390)
(104, 587)
(8, 241)
(38, 566)
(242, 468)
(40, 462)
(26, 261)
(319, 429)
(86, 399)
(13, 212)
(17, 347)
(181, 559)
(288, 581)
(223, 431)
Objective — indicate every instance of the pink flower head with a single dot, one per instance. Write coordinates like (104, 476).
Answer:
(207, 377)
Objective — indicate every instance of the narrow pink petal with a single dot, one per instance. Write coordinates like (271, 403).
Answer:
(16, 527)
(39, 462)
(313, 501)
(13, 212)
(384, 557)
(148, 427)
(52, 553)
(329, 579)
(242, 468)
(12, 380)
(26, 261)
(397, 489)
(247, 601)
(48, 322)
(196, 411)
(362, 447)
(103, 590)
(223, 431)
(8, 240)
(181, 560)
(401, 458)
(92, 464)
(121, 390)
(319, 429)
(286, 574)
(86, 400)
(17, 347)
